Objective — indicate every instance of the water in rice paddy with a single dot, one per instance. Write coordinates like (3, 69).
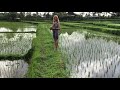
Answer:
(15, 44)
(90, 58)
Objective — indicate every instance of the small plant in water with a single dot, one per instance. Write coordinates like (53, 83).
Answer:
(91, 57)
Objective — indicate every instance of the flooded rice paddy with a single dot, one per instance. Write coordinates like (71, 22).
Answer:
(90, 57)
(15, 44)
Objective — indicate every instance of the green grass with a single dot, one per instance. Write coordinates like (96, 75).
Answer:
(104, 24)
(14, 25)
(104, 29)
(91, 34)
(45, 62)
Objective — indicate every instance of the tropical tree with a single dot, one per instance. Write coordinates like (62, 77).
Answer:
(12, 15)
(22, 15)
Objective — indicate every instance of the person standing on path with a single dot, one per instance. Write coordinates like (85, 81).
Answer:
(55, 28)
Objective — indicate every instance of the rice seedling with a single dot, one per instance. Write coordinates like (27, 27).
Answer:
(15, 47)
(14, 26)
(18, 45)
(90, 58)
(91, 26)
(13, 69)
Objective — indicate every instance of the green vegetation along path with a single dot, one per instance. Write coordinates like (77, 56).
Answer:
(45, 62)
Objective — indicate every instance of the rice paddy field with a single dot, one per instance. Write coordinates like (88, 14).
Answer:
(92, 49)
(15, 45)
(87, 49)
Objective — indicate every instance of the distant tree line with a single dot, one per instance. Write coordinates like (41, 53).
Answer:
(90, 15)
(65, 16)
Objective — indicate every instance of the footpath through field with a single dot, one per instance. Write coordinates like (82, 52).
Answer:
(45, 62)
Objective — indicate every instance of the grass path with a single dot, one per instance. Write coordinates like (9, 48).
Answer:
(46, 63)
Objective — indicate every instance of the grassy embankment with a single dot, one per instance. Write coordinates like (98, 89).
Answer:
(45, 62)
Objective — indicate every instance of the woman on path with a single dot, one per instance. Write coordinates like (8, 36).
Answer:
(55, 28)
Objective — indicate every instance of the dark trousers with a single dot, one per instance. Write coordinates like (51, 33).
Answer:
(55, 34)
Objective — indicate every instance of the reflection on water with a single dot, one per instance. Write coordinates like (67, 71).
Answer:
(13, 69)
(3, 29)
(16, 43)
(90, 58)
(25, 29)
